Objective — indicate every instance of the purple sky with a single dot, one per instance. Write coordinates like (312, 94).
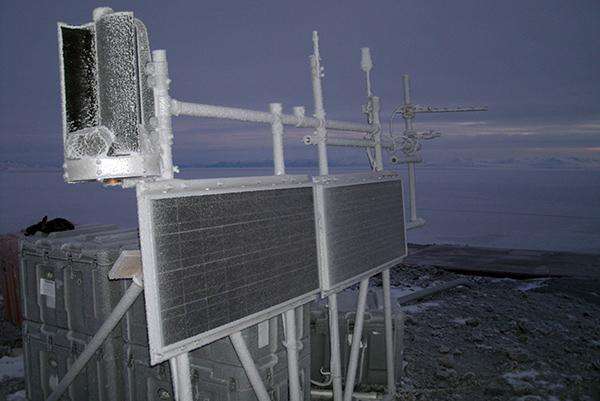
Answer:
(536, 64)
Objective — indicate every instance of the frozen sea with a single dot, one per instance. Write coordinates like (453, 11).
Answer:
(548, 209)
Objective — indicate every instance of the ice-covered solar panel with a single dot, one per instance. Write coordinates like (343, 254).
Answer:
(222, 255)
(360, 227)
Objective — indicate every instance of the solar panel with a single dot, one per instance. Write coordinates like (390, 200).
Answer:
(221, 255)
(360, 227)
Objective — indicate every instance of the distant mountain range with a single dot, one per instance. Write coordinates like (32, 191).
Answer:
(545, 162)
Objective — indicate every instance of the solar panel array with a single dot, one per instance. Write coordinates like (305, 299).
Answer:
(362, 227)
(222, 257)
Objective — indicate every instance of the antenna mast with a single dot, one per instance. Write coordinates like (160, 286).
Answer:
(409, 143)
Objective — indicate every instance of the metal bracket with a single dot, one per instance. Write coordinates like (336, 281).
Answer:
(127, 266)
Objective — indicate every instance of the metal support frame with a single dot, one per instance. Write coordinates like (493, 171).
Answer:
(159, 72)
(408, 112)
(289, 316)
(376, 108)
(408, 125)
(291, 343)
(356, 339)
(134, 290)
(348, 142)
(389, 342)
(249, 366)
(316, 72)
(277, 131)
(334, 328)
(298, 120)
(338, 393)
(165, 108)
(180, 373)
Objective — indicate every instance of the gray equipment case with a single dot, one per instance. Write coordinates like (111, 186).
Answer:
(64, 276)
(217, 374)
(49, 352)
(371, 372)
(66, 298)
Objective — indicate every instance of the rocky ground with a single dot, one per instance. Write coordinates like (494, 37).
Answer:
(498, 339)
(501, 339)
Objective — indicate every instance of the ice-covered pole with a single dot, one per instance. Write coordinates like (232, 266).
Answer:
(134, 290)
(162, 110)
(321, 131)
(408, 122)
(277, 131)
(366, 64)
(239, 344)
(372, 109)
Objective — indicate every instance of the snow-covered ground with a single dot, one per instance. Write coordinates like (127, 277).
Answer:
(11, 377)
(552, 209)
(11, 367)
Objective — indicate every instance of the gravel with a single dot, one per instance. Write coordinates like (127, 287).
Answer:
(501, 339)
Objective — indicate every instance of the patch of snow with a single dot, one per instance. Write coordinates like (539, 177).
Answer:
(520, 380)
(502, 280)
(532, 284)
(521, 375)
(18, 396)
(11, 367)
(420, 307)
(397, 292)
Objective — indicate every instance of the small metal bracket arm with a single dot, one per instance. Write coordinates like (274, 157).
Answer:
(128, 266)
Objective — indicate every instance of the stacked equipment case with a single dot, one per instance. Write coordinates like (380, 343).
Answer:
(67, 296)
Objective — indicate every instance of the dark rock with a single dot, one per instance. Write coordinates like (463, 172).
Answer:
(445, 374)
(517, 355)
(444, 350)
(447, 361)
(469, 377)
(494, 390)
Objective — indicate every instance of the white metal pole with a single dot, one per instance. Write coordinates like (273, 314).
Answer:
(321, 131)
(182, 382)
(334, 328)
(377, 133)
(289, 317)
(356, 339)
(334, 344)
(174, 376)
(389, 343)
(412, 186)
(298, 120)
(366, 64)
(291, 343)
(347, 142)
(134, 290)
(162, 110)
(412, 189)
(277, 131)
(249, 366)
(406, 79)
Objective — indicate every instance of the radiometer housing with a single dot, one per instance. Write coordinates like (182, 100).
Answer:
(107, 102)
